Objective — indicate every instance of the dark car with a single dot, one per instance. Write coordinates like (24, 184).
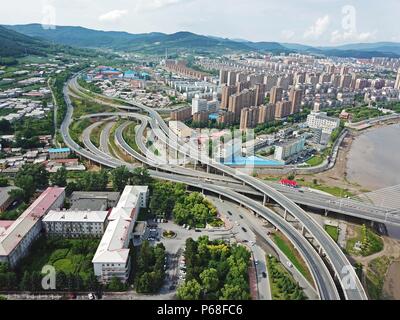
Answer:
(264, 275)
(241, 217)
(244, 229)
(230, 213)
(172, 288)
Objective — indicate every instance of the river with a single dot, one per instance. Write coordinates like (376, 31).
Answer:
(374, 158)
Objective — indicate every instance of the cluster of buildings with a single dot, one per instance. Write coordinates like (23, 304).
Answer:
(110, 73)
(19, 108)
(129, 89)
(114, 226)
(180, 67)
(51, 158)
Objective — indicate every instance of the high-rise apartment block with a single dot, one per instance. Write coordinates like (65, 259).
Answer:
(397, 84)
(276, 95)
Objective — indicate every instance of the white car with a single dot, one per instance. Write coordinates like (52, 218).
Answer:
(289, 264)
(91, 296)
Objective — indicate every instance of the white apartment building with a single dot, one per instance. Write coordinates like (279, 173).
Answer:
(16, 239)
(75, 224)
(112, 257)
(320, 120)
(198, 105)
(285, 151)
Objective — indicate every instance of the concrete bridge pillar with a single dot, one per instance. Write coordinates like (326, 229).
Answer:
(285, 215)
(326, 212)
(208, 169)
(303, 230)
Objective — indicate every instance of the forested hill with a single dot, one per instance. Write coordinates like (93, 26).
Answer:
(14, 44)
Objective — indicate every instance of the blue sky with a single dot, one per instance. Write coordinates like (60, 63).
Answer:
(314, 22)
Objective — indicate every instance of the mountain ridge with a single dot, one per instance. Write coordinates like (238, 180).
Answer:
(158, 42)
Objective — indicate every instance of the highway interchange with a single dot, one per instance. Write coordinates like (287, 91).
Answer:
(327, 247)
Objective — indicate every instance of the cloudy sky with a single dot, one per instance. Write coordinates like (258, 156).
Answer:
(314, 22)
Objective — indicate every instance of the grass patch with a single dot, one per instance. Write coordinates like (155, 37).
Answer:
(315, 161)
(292, 254)
(77, 128)
(84, 107)
(14, 214)
(114, 149)
(370, 242)
(375, 278)
(333, 232)
(335, 191)
(67, 255)
(283, 285)
(95, 135)
(129, 136)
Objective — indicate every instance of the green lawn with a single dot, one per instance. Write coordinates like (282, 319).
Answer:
(95, 135)
(83, 107)
(315, 161)
(375, 279)
(371, 242)
(67, 255)
(283, 286)
(14, 214)
(335, 191)
(333, 232)
(292, 254)
(129, 136)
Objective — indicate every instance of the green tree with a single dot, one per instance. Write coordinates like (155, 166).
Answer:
(25, 281)
(190, 290)
(115, 285)
(141, 177)
(27, 187)
(120, 177)
(234, 292)
(209, 279)
(3, 181)
(61, 280)
(59, 178)
(30, 178)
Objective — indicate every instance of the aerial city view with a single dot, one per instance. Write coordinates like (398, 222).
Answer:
(175, 150)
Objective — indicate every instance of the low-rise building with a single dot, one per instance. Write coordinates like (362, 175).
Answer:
(75, 224)
(320, 120)
(112, 258)
(16, 240)
(93, 201)
(289, 149)
(61, 153)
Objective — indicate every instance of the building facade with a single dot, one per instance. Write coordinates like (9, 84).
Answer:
(16, 240)
(75, 224)
(112, 258)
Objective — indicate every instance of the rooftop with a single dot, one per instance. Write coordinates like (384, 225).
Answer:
(17, 231)
(59, 150)
(76, 216)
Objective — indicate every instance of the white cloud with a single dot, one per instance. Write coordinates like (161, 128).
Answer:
(337, 36)
(113, 15)
(318, 28)
(144, 5)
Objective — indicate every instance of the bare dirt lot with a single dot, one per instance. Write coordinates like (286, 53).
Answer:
(391, 286)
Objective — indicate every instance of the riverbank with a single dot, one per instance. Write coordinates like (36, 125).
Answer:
(338, 175)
